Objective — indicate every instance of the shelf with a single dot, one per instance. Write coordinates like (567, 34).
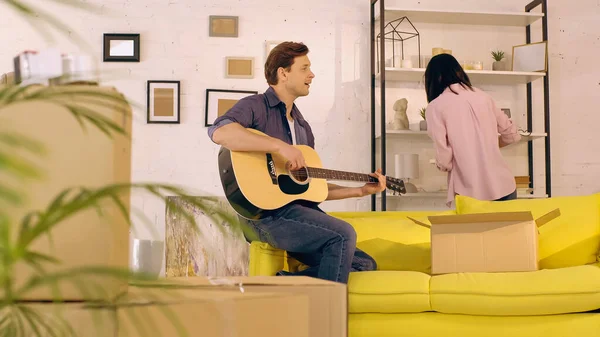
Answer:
(409, 133)
(477, 77)
(445, 194)
(508, 19)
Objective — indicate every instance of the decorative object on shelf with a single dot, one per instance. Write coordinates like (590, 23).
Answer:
(436, 51)
(146, 256)
(223, 26)
(530, 57)
(400, 117)
(407, 167)
(394, 34)
(499, 65)
(163, 102)
(472, 65)
(239, 67)
(219, 101)
(423, 123)
(121, 48)
(406, 64)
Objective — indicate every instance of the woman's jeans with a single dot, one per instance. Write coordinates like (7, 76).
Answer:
(511, 196)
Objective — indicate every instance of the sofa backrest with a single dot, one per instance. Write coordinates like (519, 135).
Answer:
(393, 240)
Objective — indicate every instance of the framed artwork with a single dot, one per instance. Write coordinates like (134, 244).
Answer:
(163, 102)
(121, 48)
(223, 26)
(219, 101)
(239, 67)
(269, 45)
(530, 57)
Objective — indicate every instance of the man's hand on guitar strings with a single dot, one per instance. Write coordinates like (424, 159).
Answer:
(372, 188)
(293, 155)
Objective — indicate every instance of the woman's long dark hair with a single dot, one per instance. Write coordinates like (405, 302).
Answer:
(442, 71)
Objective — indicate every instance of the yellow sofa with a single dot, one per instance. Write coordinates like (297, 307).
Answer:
(401, 298)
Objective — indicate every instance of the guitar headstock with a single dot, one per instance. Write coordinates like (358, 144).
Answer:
(395, 184)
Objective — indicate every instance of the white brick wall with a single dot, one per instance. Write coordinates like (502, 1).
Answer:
(175, 46)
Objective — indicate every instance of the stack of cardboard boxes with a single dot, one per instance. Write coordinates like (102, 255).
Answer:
(240, 307)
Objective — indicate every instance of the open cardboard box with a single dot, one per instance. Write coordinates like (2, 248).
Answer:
(485, 242)
(327, 300)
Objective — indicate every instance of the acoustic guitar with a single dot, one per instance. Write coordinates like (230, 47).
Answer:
(257, 181)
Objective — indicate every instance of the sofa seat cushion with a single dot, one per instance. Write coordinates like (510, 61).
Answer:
(393, 240)
(543, 292)
(388, 292)
(572, 239)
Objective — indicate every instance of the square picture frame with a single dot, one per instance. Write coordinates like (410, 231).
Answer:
(163, 102)
(219, 101)
(530, 57)
(239, 67)
(121, 47)
(269, 45)
(223, 26)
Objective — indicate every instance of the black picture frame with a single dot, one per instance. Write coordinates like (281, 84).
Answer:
(209, 111)
(108, 37)
(151, 117)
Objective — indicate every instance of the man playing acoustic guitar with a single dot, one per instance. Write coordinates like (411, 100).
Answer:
(324, 243)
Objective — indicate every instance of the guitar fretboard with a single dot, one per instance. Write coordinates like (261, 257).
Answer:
(339, 175)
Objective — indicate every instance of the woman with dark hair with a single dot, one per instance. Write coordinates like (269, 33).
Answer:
(467, 130)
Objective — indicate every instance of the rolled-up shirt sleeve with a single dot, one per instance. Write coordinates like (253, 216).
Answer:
(436, 128)
(506, 128)
(240, 113)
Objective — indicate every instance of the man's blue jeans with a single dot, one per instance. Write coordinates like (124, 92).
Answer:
(324, 243)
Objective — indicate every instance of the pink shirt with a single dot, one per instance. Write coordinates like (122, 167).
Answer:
(465, 129)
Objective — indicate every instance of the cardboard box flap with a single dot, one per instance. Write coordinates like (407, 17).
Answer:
(481, 217)
(488, 217)
(544, 219)
(253, 280)
(420, 223)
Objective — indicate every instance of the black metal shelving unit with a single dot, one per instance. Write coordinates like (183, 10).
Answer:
(378, 54)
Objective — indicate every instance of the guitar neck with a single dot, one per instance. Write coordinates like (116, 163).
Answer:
(339, 175)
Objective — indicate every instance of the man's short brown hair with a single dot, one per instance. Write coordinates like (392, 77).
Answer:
(282, 56)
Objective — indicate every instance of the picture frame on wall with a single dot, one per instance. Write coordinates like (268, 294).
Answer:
(223, 26)
(239, 67)
(269, 45)
(219, 101)
(121, 48)
(163, 99)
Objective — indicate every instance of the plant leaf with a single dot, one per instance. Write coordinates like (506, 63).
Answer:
(32, 13)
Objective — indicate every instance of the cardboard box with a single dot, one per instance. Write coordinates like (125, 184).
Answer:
(75, 158)
(214, 312)
(63, 319)
(486, 242)
(328, 301)
(175, 313)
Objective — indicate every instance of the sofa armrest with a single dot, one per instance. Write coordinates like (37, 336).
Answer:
(266, 260)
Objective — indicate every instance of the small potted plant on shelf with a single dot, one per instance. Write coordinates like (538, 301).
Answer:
(498, 65)
(423, 123)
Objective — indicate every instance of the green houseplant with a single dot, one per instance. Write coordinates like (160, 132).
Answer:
(499, 64)
(17, 317)
(423, 123)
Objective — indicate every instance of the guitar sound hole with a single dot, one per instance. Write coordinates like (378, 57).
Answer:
(287, 185)
(300, 176)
